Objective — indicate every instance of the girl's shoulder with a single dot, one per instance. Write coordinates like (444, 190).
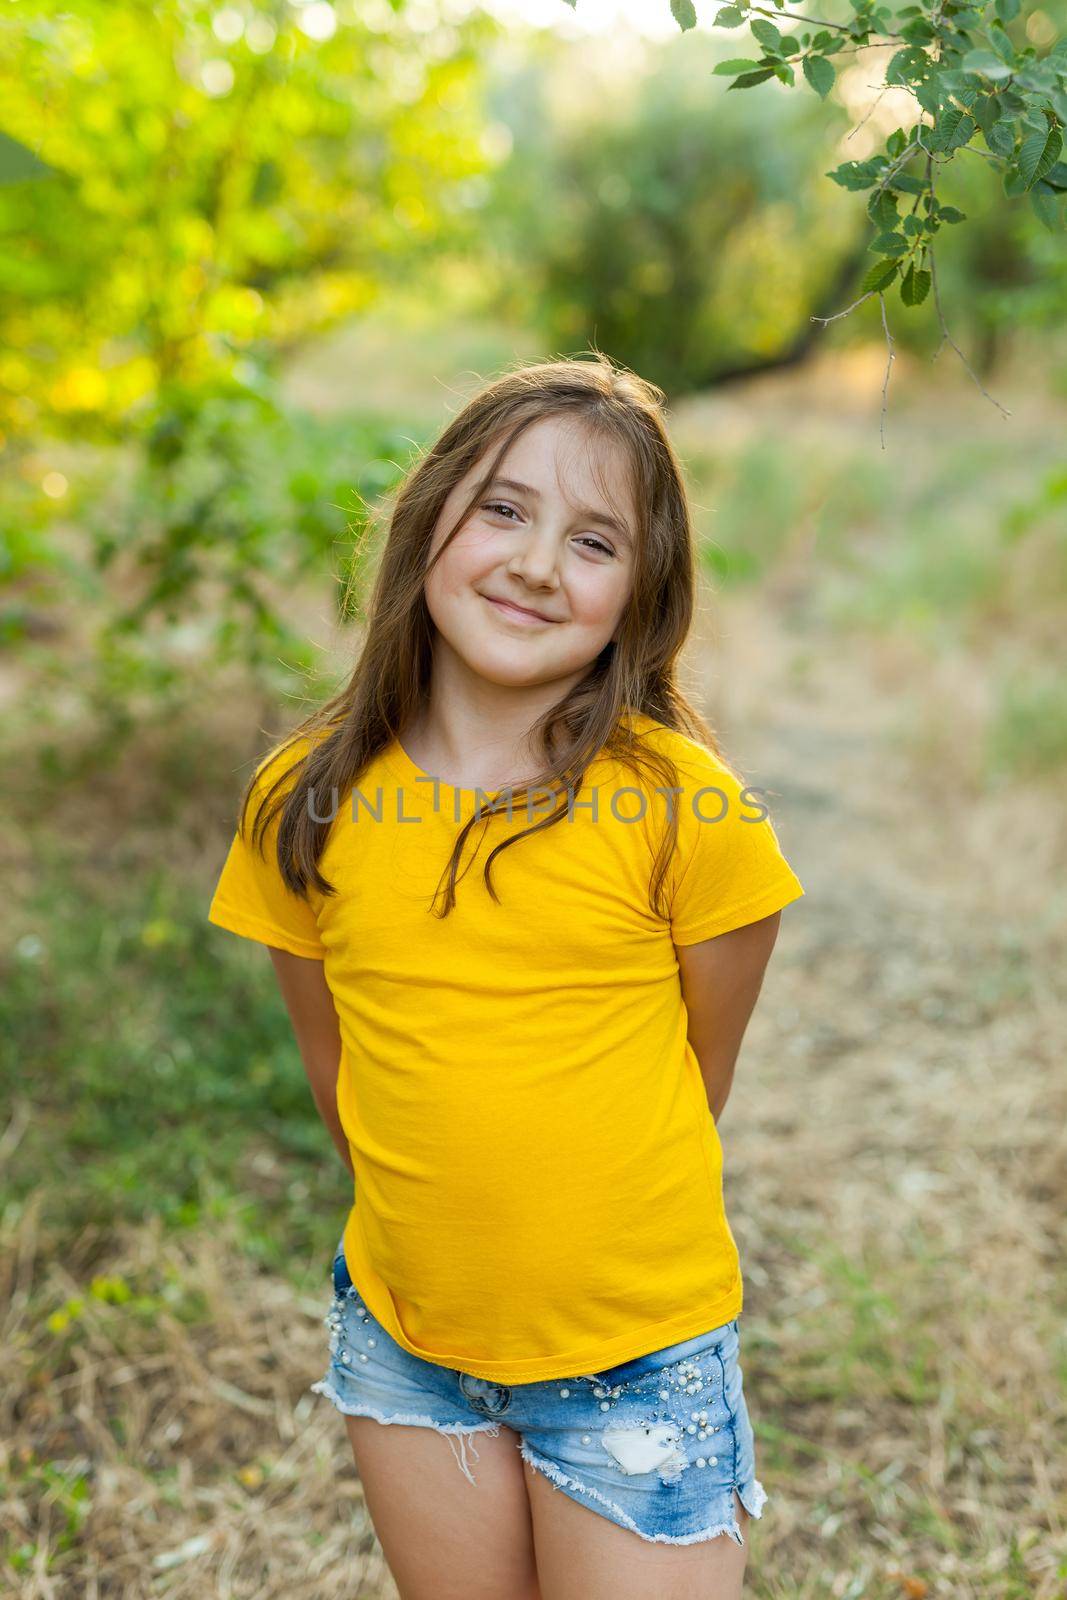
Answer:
(273, 777)
(284, 759)
(696, 762)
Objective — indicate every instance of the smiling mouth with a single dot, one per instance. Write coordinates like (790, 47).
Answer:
(516, 613)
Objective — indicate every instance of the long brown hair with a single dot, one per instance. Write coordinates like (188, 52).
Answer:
(637, 671)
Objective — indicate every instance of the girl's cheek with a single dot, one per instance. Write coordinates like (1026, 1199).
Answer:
(599, 599)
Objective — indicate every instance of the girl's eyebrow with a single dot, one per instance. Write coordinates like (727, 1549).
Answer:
(590, 513)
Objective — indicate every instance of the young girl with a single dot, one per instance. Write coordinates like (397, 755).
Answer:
(520, 907)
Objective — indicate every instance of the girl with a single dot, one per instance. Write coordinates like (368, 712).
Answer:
(520, 906)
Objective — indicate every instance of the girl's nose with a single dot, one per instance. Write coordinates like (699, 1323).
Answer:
(538, 559)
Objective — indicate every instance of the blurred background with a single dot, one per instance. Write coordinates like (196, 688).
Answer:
(254, 256)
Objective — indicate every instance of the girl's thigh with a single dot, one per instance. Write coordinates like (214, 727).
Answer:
(641, 1478)
(443, 1480)
(443, 1537)
(584, 1556)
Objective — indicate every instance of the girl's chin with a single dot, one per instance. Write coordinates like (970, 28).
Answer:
(515, 667)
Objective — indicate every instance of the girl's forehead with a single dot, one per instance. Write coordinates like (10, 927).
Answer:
(562, 456)
(564, 445)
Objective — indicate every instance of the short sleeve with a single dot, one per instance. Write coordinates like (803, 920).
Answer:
(729, 869)
(251, 897)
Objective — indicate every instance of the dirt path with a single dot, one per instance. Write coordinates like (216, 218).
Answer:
(896, 1141)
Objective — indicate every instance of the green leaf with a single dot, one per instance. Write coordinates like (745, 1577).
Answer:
(962, 86)
(747, 79)
(859, 174)
(1037, 75)
(1002, 45)
(820, 74)
(952, 129)
(909, 66)
(684, 13)
(882, 210)
(914, 286)
(735, 64)
(929, 94)
(1007, 10)
(1038, 154)
(890, 244)
(767, 34)
(880, 275)
(989, 65)
(950, 214)
(729, 17)
(1001, 137)
(1048, 204)
(1035, 118)
(966, 129)
(986, 111)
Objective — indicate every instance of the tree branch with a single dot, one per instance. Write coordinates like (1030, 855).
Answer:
(888, 368)
(947, 339)
(816, 22)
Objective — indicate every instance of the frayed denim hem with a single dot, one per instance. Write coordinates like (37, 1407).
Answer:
(325, 1387)
(753, 1497)
(754, 1492)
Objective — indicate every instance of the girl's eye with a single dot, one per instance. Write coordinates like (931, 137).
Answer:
(502, 508)
(598, 544)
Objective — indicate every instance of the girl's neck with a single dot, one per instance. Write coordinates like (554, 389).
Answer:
(469, 753)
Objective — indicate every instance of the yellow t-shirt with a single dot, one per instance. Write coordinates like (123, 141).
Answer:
(538, 1176)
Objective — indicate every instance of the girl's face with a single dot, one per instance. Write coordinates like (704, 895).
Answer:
(535, 583)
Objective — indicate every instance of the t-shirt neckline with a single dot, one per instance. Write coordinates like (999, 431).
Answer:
(415, 780)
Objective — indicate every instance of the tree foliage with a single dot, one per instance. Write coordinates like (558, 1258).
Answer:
(190, 185)
(188, 191)
(978, 85)
(691, 244)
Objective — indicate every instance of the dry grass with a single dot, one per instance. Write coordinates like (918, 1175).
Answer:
(896, 1176)
(207, 1466)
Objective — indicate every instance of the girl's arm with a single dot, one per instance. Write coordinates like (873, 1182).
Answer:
(721, 981)
(318, 1036)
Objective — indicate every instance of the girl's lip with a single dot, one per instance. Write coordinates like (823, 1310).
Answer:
(517, 612)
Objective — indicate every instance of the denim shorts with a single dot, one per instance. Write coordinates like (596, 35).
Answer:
(657, 1444)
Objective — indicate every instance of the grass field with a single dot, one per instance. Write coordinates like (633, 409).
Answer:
(879, 644)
